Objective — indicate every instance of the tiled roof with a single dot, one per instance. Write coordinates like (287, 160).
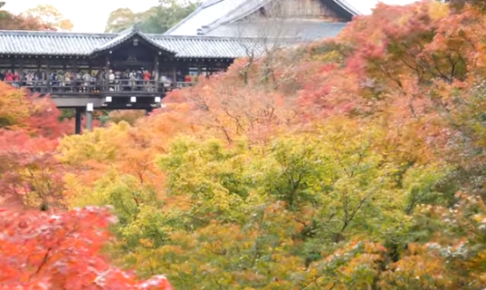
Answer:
(126, 35)
(205, 14)
(84, 44)
(211, 47)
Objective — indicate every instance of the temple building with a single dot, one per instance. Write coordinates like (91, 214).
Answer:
(305, 19)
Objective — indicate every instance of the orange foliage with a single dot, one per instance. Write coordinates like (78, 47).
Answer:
(9, 21)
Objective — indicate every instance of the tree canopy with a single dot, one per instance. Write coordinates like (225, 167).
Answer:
(50, 16)
(9, 21)
(157, 19)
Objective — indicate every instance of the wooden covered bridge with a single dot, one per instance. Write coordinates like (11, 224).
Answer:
(129, 70)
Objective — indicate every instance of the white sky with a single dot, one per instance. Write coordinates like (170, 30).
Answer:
(86, 15)
(91, 15)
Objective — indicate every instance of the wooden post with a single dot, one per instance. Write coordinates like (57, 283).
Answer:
(21, 68)
(107, 73)
(38, 73)
(90, 71)
(63, 85)
(89, 117)
(174, 76)
(48, 76)
(74, 79)
(79, 113)
(156, 76)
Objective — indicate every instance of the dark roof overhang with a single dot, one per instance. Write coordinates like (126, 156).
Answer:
(134, 35)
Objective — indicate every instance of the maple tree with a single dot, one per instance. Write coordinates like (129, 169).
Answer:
(61, 251)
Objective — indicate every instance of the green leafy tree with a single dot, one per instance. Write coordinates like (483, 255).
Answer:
(157, 19)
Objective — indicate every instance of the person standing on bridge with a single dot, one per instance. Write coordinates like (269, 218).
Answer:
(111, 79)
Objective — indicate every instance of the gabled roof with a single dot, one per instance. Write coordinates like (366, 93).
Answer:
(128, 34)
(85, 44)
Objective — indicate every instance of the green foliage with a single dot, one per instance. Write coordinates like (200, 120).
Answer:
(157, 19)
(260, 215)
(95, 145)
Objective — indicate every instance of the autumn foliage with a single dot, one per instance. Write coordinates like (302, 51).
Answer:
(351, 163)
(61, 251)
(9, 21)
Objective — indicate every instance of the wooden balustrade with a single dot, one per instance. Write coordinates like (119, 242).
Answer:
(97, 86)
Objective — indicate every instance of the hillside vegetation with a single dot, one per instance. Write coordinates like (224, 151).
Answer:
(351, 163)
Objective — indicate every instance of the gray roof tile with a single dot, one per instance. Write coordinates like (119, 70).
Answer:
(84, 44)
(205, 14)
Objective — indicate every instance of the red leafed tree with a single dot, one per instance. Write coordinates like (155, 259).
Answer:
(62, 251)
(30, 176)
(44, 119)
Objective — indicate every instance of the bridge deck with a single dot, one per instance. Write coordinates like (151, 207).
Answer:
(122, 94)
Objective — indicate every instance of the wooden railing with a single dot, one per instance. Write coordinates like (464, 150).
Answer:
(96, 86)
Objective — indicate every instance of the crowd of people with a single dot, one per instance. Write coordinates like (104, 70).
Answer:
(94, 81)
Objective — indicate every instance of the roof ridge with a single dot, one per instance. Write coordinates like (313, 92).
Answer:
(120, 35)
(228, 18)
(127, 34)
(348, 7)
(203, 37)
(59, 33)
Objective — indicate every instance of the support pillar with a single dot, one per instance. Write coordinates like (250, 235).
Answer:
(79, 119)
(74, 79)
(156, 76)
(174, 76)
(89, 117)
(107, 74)
(48, 77)
(21, 73)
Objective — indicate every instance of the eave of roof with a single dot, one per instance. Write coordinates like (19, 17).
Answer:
(128, 34)
(208, 12)
(85, 44)
(348, 7)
